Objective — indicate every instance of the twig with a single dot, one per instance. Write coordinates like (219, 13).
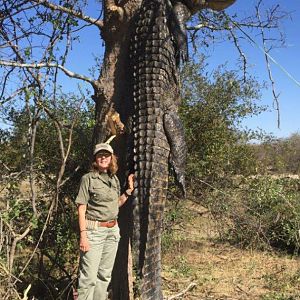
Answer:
(46, 65)
(26, 292)
(241, 290)
(241, 52)
(266, 52)
(179, 295)
(72, 12)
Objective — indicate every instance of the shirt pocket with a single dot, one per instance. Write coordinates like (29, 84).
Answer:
(97, 192)
(115, 187)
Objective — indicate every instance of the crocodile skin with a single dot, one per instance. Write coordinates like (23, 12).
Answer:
(158, 141)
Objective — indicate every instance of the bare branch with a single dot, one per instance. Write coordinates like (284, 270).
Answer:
(50, 211)
(15, 94)
(47, 65)
(179, 295)
(3, 267)
(26, 292)
(33, 123)
(72, 12)
(266, 51)
(16, 239)
(242, 54)
(204, 25)
(214, 26)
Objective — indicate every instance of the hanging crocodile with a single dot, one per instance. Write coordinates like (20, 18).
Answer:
(159, 44)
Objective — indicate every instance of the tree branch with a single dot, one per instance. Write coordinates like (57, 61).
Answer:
(241, 52)
(47, 65)
(72, 12)
(179, 295)
(266, 51)
(16, 239)
(15, 94)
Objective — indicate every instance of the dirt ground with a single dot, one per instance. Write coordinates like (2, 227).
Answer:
(221, 271)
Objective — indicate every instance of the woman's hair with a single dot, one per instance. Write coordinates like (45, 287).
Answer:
(113, 166)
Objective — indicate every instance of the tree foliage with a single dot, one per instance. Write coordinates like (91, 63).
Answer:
(37, 183)
(279, 156)
(212, 111)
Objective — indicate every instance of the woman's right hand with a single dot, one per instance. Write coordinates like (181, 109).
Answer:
(83, 240)
(84, 243)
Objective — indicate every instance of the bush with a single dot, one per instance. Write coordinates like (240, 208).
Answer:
(212, 111)
(260, 212)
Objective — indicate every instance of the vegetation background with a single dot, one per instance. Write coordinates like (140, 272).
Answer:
(236, 236)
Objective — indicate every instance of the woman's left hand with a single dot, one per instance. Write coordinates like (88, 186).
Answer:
(130, 187)
(131, 182)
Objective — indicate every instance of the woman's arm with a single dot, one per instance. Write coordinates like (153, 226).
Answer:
(123, 198)
(83, 243)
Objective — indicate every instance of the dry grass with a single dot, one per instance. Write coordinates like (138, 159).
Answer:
(222, 271)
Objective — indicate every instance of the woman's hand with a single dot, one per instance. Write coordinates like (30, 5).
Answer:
(130, 187)
(130, 181)
(84, 243)
(83, 240)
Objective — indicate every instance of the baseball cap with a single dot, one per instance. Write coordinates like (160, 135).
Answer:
(103, 147)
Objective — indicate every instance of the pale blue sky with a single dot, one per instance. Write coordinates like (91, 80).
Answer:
(287, 57)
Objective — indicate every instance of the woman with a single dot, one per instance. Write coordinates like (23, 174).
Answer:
(98, 202)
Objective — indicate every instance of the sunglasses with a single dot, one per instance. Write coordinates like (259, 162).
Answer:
(103, 154)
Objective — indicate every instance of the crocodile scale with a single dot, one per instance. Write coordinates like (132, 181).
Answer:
(157, 136)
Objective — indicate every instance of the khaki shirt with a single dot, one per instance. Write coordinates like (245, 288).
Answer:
(100, 193)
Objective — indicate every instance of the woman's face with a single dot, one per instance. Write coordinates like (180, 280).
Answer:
(103, 159)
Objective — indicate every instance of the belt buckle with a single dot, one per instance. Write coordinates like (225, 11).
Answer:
(111, 224)
(107, 224)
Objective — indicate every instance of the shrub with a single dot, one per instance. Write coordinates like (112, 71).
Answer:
(261, 212)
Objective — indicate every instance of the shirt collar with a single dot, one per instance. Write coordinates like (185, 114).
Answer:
(102, 176)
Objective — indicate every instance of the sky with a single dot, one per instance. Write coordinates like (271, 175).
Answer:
(287, 58)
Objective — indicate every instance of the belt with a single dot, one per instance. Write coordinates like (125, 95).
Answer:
(93, 224)
(108, 224)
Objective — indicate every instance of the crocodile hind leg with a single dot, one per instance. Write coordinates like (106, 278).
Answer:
(175, 135)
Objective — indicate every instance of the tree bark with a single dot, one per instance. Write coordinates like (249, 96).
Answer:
(112, 92)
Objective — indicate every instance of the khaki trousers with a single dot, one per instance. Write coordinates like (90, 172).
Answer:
(95, 266)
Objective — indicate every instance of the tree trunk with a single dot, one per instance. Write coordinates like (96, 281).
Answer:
(112, 93)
